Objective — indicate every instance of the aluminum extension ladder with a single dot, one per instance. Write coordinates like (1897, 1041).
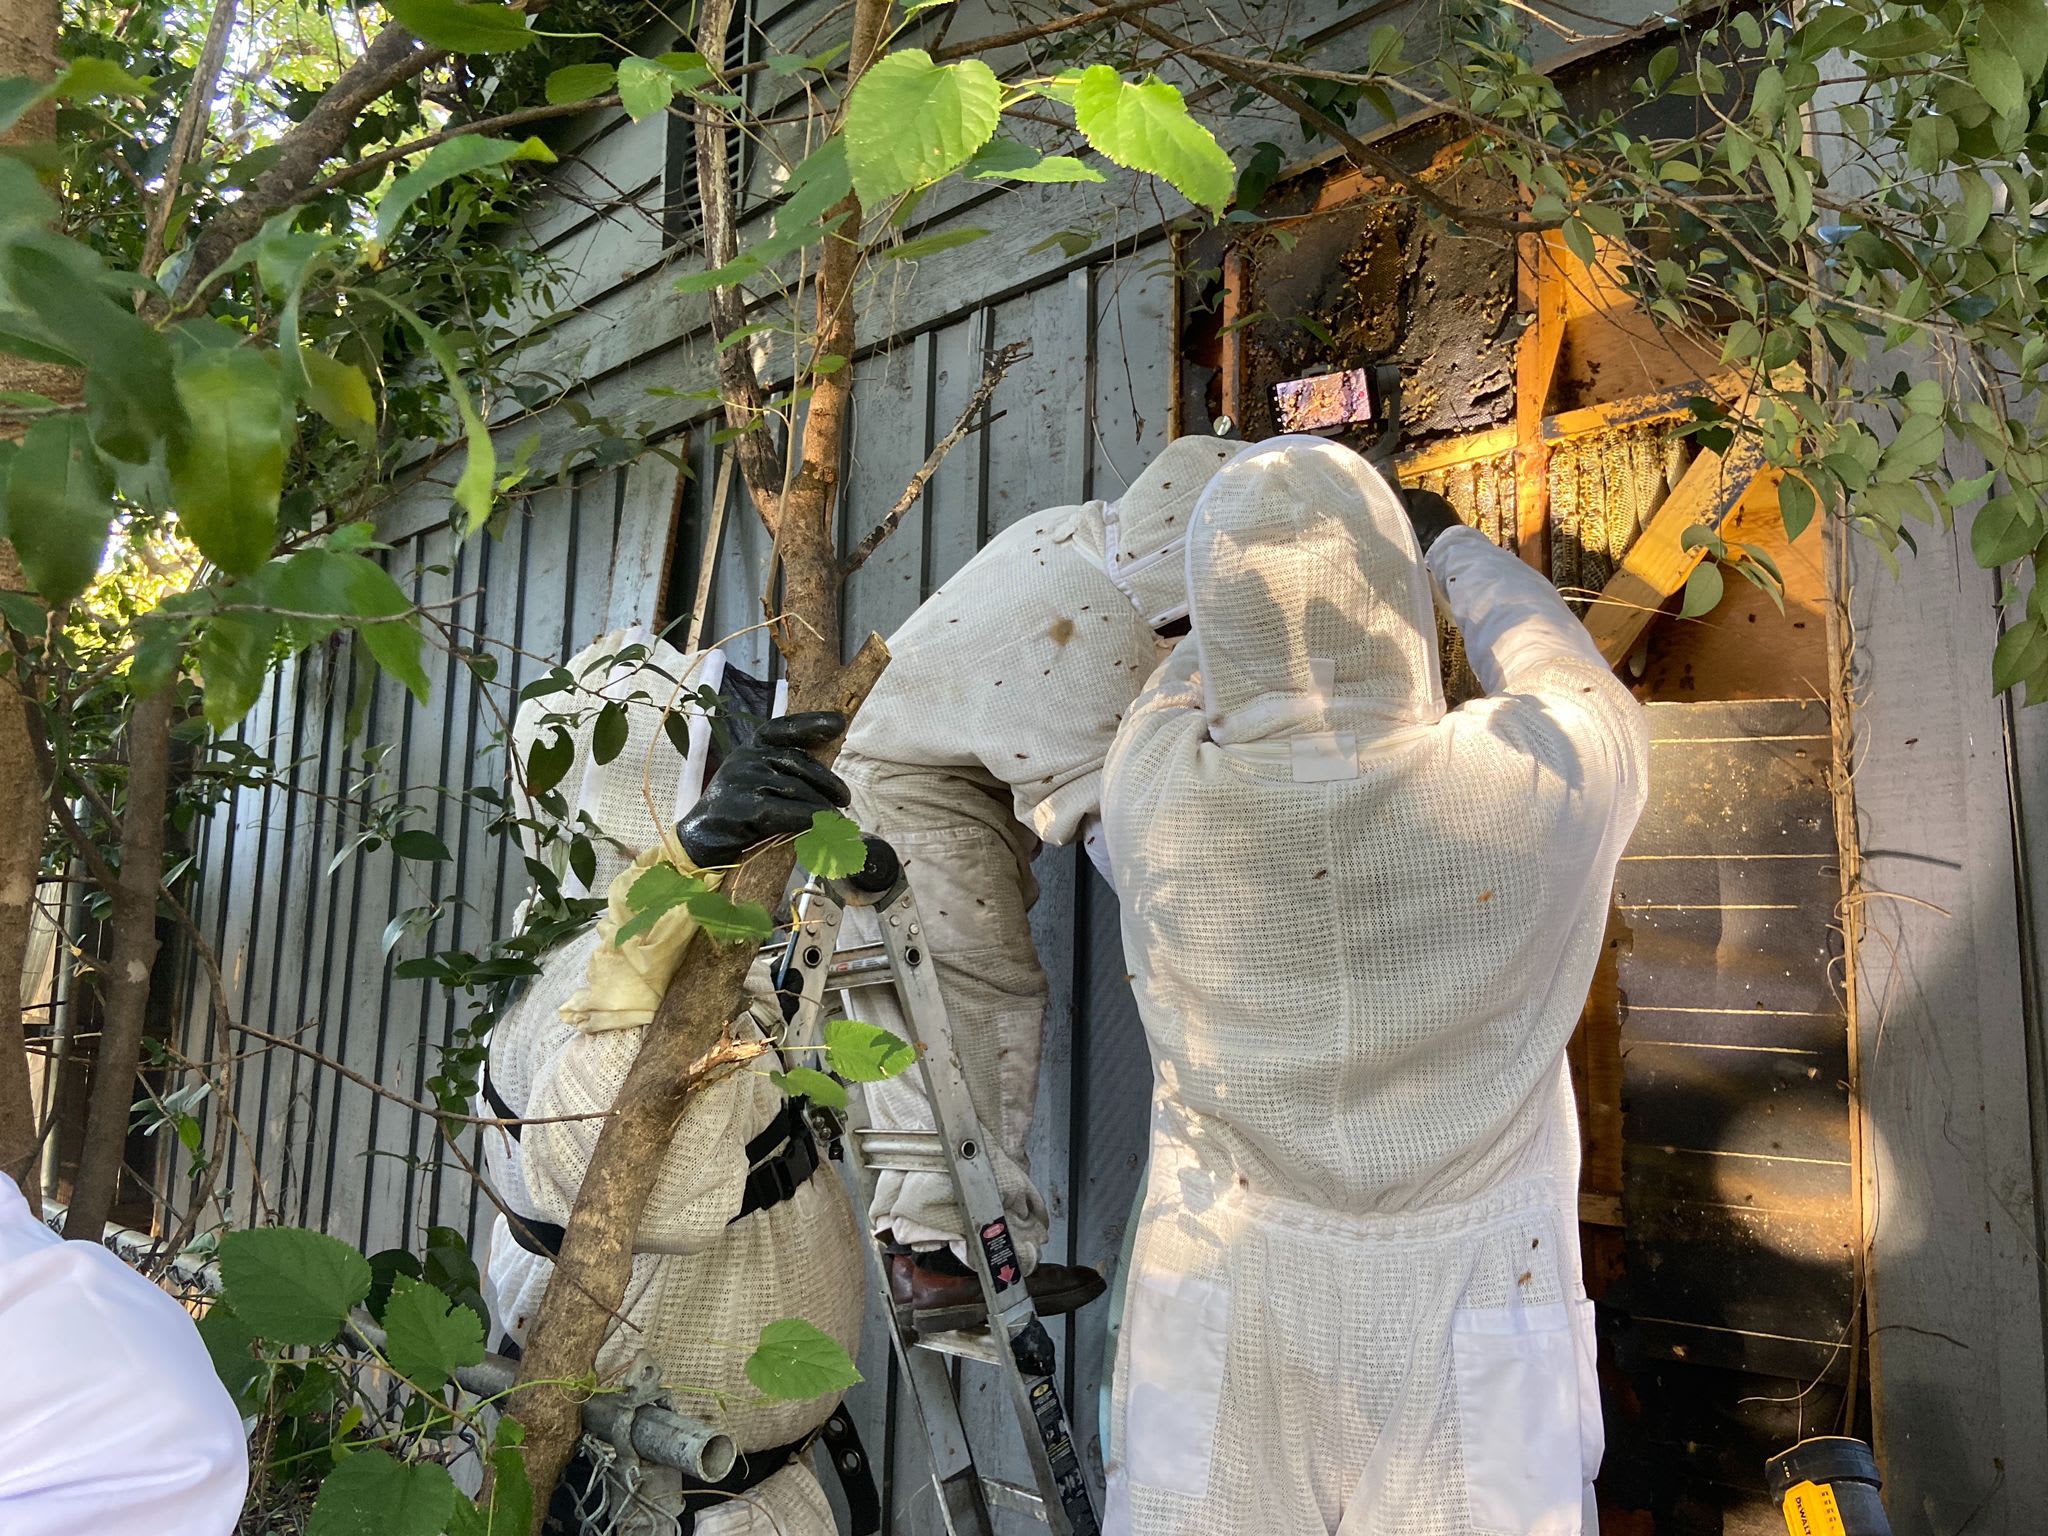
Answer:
(814, 967)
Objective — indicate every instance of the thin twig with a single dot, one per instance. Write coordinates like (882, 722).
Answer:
(519, 119)
(191, 126)
(1007, 356)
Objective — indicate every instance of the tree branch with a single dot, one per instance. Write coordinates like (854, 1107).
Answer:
(131, 956)
(1360, 153)
(519, 119)
(708, 986)
(1007, 357)
(392, 58)
(739, 386)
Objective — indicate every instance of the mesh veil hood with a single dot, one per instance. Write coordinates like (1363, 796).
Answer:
(1312, 612)
(643, 789)
(1145, 530)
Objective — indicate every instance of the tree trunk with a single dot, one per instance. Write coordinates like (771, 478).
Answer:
(132, 955)
(677, 1050)
(28, 46)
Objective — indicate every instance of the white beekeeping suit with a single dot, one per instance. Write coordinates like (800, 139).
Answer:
(1362, 930)
(985, 738)
(112, 1420)
(712, 1265)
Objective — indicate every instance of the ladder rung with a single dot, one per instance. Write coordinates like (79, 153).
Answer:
(963, 1343)
(909, 1151)
(1002, 1495)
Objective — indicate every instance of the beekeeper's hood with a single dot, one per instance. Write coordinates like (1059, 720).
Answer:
(1145, 530)
(1312, 611)
(645, 785)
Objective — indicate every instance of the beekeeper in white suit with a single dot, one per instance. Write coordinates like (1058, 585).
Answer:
(745, 1226)
(1362, 930)
(983, 740)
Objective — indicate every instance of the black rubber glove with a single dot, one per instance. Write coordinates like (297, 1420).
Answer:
(1431, 515)
(770, 788)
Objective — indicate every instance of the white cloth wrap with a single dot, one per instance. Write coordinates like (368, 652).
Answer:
(702, 1287)
(1362, 930)
(984, 737)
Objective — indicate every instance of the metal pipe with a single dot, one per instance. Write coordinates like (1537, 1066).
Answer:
(657, 1434)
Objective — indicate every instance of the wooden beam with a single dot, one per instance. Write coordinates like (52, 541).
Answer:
(1664, 404)
(1230, 365)
(1659, 563)
(1540, 285)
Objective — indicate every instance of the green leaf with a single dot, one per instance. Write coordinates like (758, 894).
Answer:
(645, 87)
(463, 27)
(547, 761)
(90, 76)
(579, 82)
(129, 401)
(231, 1345)
(2022, 654)
(510, 1512)
(2020, 29)
(660, 889)
(233, 656)
(1917, 444)
(340, 393)
(1015, 161)
(23, 614)
(1996, 75)
(931, 245)
(866, 1053)
(463, 156)
(428, 1337)
(474, 486)
(608, 736)
(1968, 223)
(1146, 127)
(59, 506)
(810, 1083)
(1828, 28)
(794, 1361)
(833, 847)
(291, 1285)
(18, 97)
(1056, 170)
(1578, 238)
(910, 121)
(729, 921)
(415, 843)
(227, 468)
(1702, 591)
(1796, 505)
(2003, 530)
(370, 1494)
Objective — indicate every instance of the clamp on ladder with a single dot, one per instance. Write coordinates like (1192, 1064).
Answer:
(817, 963)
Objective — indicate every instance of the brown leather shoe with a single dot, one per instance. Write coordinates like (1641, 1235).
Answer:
(940, 1301)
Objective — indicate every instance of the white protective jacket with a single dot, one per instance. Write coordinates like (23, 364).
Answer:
(112, 1420)
(1362, 930)
(703, 1283)
(985, 738)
